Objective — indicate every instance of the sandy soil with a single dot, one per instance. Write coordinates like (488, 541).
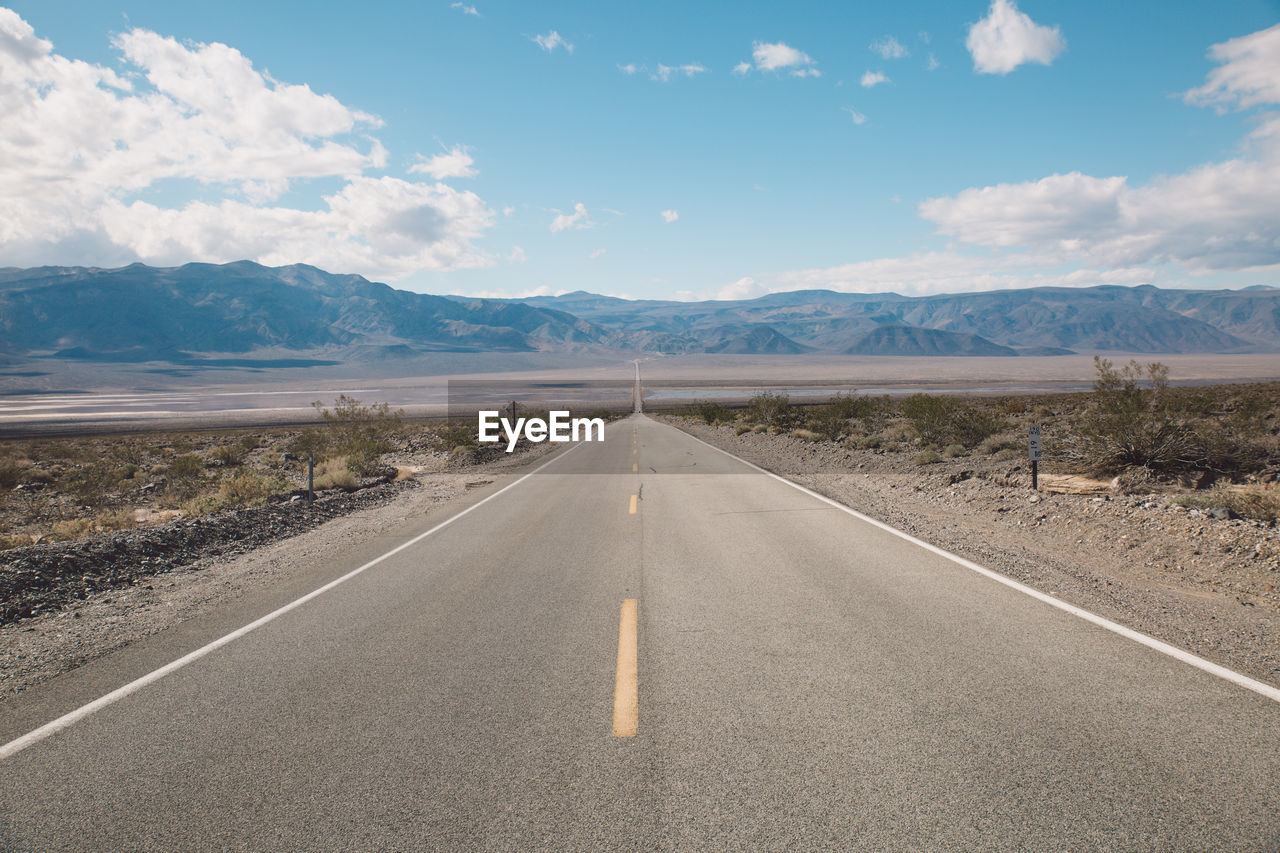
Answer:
(1206, 585)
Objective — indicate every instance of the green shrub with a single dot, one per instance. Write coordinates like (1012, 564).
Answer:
(771, 409)
(943, 420)
(870, 442)
(951, 451)
(741, 428)
(927, 457)
(712, 412)
(360, 433)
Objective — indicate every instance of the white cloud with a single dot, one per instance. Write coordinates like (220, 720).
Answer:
(551, 41)
(578, 220)
(742, 68)
(1218, 216)
(516, 255)
(1007, 38)
(453, 163)
(666, 72)
(932, 64)
(778, 56)
(508, 210)
(1249, 74)
(629, 68)
(465, 9)
(669, 216)
(873, 78)
(858, 118)
(743, 288)
(595, 253)
(925, 273)
(888, 47)
(80, 142)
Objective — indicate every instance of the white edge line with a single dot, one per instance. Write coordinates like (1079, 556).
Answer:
(1208, 666)
(15, 746)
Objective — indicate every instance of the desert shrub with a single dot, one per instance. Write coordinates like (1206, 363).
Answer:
(247, 488)
(360, 433)
(807, 435)
(241, 489)
(927, 456)
(741, 428)
(832, 418)
(1008, 454)
(943, 420)
(457, 433)
(116, 519)
(759, 428)
(8, 540)
(771, 409)
(951, 451)
(870, 442)
(1261, 503)
(248, 442)
(1134, 420)
(335, 474)
(90, 483)
(11, 472)
(711, 411)
(74, 528)
(186, 467)
(228, 456)
(993, 444)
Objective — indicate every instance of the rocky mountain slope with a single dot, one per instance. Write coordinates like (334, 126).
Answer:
(249, 315)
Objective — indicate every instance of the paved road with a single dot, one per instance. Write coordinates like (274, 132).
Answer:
(805, 681)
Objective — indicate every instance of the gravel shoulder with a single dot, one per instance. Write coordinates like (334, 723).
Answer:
(255, 549)
(1204, 584)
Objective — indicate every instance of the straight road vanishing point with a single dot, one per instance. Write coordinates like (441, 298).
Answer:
(591, 658)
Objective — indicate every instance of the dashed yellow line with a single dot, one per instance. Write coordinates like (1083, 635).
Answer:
(635, 466)
(626, 683)
(634, 501)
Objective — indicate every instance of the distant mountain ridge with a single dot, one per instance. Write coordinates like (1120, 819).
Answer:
(243, 312)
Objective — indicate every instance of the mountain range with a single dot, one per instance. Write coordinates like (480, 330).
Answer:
(199, 311)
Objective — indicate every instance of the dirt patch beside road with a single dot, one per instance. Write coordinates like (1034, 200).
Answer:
(1205, 584)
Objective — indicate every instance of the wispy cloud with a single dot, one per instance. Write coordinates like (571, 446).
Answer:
(465, 9)
(453, 163)
(669, 216)
(578, 220)
(595, 253)
(666, 72)
(873, 78)
(551, 41)
(888, 47)
(858, 118)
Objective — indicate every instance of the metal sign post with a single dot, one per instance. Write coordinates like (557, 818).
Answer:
(1033, 452)
(311, 467)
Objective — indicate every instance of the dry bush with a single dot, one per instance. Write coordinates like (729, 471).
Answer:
(740, 429)
(807, 435)
(74, 528)
(335, 474)
(358, 432)
(1261, 503)
(993, 444)
(928, 456)
(116, 519)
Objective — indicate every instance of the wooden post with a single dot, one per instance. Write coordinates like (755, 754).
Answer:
(311, 468)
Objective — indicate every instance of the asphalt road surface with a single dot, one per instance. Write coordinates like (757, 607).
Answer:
(647, 645)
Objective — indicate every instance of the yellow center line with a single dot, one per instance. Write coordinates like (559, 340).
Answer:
(634, 499)
(635, 466)
(626, 684)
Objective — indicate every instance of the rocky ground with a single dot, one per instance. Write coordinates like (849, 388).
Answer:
(1204, 583)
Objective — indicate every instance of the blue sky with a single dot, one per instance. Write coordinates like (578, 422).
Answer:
(508, 148)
